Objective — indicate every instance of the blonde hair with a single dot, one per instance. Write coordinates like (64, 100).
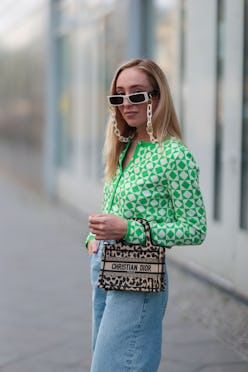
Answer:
(164, 121)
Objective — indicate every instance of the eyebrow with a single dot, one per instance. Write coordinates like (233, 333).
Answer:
(133, 87)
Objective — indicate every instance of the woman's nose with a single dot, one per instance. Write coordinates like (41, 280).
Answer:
(126, 102)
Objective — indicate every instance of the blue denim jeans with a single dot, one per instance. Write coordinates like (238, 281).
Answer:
(127, 327)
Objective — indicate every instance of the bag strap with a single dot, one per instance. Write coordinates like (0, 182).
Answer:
(147, 229)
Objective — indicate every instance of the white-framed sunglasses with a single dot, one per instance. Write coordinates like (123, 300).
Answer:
(134, 98)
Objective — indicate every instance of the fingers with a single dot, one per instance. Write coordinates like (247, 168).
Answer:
(92, 246)
(107, 226)
(96, 230)
(95, 220)
(97, 224)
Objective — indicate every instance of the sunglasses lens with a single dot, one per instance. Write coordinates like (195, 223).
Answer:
(137, 98)
(116, 100)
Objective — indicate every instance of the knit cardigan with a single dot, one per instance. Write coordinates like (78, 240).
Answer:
(161, 185)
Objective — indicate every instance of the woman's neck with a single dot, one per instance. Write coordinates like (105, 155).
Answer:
(141, 136)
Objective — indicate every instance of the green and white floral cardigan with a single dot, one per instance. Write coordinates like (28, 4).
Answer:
(159, 184)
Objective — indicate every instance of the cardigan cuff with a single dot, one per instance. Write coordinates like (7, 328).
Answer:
(135, 232)
(126, 237)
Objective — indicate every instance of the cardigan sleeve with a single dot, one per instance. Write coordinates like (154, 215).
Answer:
(188, 225)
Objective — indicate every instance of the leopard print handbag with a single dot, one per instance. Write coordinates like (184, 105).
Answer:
(133, 267)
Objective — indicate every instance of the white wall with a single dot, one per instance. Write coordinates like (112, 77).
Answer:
(224, 253)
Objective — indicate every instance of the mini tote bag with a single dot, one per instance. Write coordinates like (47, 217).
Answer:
(133, 267)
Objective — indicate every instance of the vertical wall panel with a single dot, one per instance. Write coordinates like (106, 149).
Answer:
(233, 88)
(22, 90)
(199, 129)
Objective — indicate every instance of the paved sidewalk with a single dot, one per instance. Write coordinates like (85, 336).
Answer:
(45, 299)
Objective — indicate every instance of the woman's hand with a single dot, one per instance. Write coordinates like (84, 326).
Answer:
(92, 246)
(107, 226)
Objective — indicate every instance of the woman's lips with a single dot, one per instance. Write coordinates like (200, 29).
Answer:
(130, 113)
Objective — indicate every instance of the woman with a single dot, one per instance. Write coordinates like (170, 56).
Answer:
(152, 175)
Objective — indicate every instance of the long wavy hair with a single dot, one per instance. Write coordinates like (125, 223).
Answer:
(164, 120)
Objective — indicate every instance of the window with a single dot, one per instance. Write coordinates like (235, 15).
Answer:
(91, 40)
(65, 101)
(165, 37)
(183, 21)
(218, 172)
(170, 34)
(244, 155)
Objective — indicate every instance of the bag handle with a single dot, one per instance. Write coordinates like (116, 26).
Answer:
(147, 229)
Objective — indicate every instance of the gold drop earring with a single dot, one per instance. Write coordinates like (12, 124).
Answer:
(149, 128)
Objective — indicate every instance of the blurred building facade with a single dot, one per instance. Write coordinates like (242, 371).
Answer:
(57, 58)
